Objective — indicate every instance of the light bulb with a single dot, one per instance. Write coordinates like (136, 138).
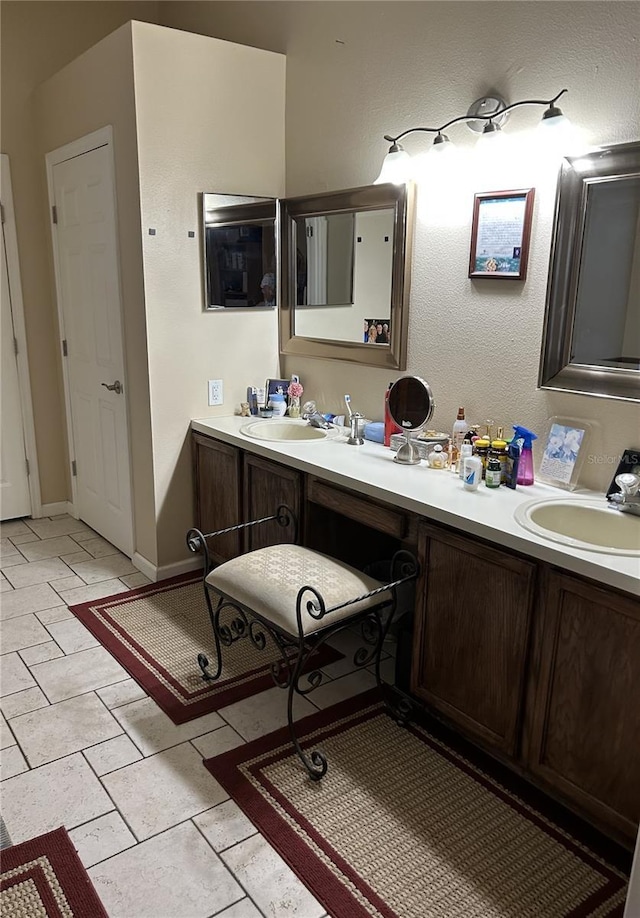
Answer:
(397, 167)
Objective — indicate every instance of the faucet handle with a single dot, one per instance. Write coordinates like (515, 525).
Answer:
(628, 483)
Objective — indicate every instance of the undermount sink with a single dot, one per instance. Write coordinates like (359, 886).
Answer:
(282, 430)
(582, 523)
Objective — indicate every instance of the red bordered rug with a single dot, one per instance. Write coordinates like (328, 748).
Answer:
(404, 825)
(157, 631)
(45, 877)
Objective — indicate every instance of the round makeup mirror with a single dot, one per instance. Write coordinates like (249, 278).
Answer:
(411, 405)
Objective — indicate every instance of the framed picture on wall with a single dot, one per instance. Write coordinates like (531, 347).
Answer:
(500, 234)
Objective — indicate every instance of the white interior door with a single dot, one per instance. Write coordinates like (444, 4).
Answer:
(89, 292)
(15, 499)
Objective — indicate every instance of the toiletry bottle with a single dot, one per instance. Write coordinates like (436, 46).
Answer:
(466, 450)
(390, 426)
(493, 472)
(481, 449)
(459, 430)
(437, 458)
(472, 473)
(499, 449)
(278, 404)
(513, 459)
(525, 465)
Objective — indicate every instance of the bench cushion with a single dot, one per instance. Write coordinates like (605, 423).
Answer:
(268, 580)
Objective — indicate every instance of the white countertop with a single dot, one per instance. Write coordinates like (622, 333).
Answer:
(436, 495)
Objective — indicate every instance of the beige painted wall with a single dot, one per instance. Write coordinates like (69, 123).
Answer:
(358, 70)
(210, 117)
(37, 39)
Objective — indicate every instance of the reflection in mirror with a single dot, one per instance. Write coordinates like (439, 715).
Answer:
(239, 245)
(591, 340)
(346, 261)
(411, 405)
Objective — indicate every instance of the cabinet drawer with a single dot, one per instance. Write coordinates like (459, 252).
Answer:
(361, 509)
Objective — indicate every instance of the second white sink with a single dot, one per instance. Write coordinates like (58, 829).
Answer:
(582, 523)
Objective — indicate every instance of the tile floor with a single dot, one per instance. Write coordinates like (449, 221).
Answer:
(84, 746)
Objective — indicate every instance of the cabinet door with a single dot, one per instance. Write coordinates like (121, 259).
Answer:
(217, 478)
(266, 486)
(585, 730)
(471, 633)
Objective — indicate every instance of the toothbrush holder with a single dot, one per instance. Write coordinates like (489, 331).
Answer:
(356, 436)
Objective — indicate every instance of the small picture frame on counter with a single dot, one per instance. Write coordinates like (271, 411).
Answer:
(564, 452)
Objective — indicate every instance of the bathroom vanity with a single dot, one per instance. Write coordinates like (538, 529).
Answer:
(529, 648)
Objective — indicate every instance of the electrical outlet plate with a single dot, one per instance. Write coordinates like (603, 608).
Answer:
(215, 392)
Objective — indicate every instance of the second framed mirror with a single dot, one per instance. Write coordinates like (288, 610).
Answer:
(346, 268)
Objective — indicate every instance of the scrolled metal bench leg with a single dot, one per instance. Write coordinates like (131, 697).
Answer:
(203, 660)
(315, 762)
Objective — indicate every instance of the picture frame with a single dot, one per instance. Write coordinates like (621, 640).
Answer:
(500, 234)
(564, 452)
(377, 331)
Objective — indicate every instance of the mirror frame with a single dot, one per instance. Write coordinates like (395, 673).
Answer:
(371, 197)
(237, 210)
(557, 372)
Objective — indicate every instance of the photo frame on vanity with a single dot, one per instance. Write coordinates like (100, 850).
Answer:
(500, 234)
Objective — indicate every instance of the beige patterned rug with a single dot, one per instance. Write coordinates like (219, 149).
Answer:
(157, 631)
(403, 826)
(44, 878)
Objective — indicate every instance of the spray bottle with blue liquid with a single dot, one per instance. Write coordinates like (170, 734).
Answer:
(525, 464)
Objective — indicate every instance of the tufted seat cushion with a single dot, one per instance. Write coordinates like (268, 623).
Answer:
(268, 581)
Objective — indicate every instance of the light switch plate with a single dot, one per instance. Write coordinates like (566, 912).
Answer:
(215, 392)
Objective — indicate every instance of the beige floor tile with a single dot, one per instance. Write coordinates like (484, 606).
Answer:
(263, 713)
(84, 536)
(270, 882)
(387, 670)
(40, 653)
(242, 909)
(9, 561)
(217, 742)
(7, 548)
(224, 825)
(12, 762)
(114, 696)
(13, 528)
(340, 689)
(23, 537)
(135, 580)
(65, 793)
(28, 599)
(32, 572)
(23, 702)
(114, 754)
(68, 583)
(48, 548)
(175, 875)
(77, 556)
(72, 635)
(57, 614)
(22, 631)
(5, 586)
(95, 591)
(97, 569)
(152, 730)
(61, 729)
(14, 675)
(6, 736)
(101, 838)
(163, 790)
(99, 548)
(54, 528)
(79, 673)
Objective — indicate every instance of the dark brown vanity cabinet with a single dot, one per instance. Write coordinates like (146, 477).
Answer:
(266, 486)
(583, 738)
(471, 634)
(217, 471)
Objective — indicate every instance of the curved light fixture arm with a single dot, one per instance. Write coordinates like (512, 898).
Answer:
(466, 118)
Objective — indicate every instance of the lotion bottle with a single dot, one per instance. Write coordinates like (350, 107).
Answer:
(472, 473)
(460, 428)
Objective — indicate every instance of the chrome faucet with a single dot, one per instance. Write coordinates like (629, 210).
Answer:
(628, 500)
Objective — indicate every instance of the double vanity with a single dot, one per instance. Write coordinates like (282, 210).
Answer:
(523, 642)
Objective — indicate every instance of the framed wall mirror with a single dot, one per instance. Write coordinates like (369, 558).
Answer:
(240, 252)
(345, 274)
(591, 338)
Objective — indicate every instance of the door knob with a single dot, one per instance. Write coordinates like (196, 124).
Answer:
(116, 387)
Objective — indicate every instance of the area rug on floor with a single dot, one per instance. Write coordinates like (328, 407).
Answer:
(157, 631)
(44, 878)
(405, 826)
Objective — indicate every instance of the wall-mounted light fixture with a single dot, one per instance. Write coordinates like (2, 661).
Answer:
(485, 116)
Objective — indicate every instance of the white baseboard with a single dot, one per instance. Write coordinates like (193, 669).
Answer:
(55, 509)
(155, 573)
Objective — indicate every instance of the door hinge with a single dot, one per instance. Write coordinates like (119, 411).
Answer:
(1, 213)
(54, 214)
(28, 467)
(15, 346)
(65, 350)
(74, 468)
